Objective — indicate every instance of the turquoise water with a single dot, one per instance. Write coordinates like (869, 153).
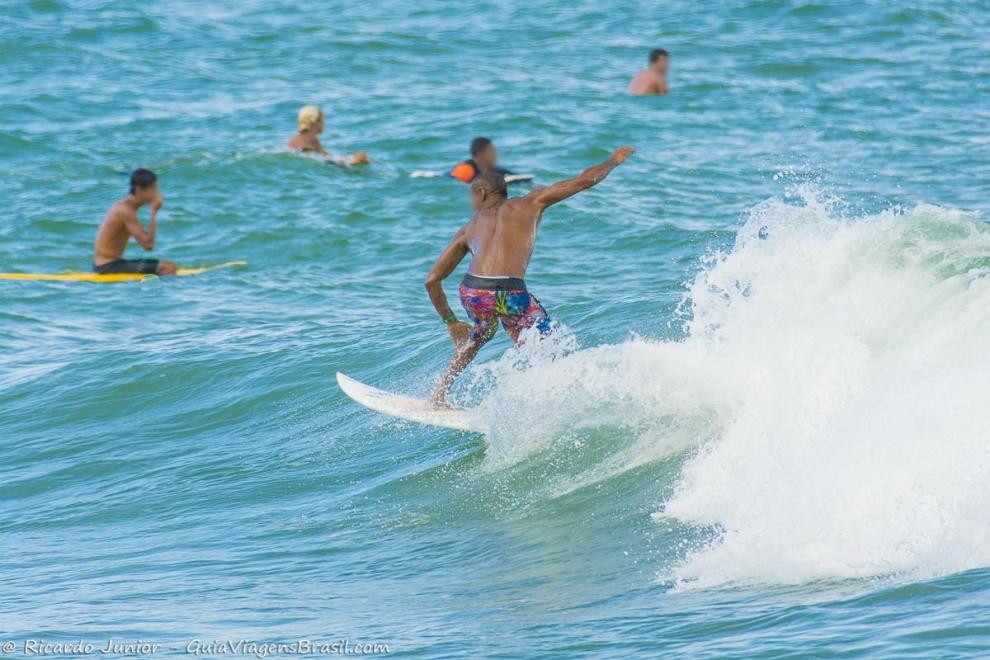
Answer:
(759, 431)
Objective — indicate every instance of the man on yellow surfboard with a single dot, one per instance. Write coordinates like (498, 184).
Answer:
(121, 222)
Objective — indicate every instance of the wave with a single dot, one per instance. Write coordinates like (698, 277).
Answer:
(827, 401)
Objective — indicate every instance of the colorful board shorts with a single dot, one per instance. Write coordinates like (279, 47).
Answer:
(489, 300)
(145, 266)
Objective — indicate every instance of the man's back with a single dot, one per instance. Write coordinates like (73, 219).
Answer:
(112, 237)
(502, 237)
(647, 82)
(305, 143)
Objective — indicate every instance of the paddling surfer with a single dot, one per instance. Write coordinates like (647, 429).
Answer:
(307, 139)
(121, 222)
(484, 157)
(500, 237)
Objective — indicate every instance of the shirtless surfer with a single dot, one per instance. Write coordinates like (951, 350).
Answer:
(653, 79)
(501, 237)
(121, 222)
(307, 140)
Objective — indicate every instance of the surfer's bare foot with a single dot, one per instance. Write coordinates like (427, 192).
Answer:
(439, 402)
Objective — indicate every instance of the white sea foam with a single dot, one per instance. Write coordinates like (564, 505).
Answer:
(833, 395)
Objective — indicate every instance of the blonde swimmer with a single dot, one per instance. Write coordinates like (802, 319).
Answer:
(306, 140)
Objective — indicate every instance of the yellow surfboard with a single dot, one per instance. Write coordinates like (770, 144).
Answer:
(112, 277)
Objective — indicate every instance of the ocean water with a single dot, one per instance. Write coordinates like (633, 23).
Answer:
(760, 430)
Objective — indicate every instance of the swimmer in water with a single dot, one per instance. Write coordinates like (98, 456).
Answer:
(500, 238)
(121, 222)
(483, 158)
(653, 80)
(307, 139)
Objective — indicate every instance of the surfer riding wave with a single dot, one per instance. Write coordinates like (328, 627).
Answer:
(501, 237)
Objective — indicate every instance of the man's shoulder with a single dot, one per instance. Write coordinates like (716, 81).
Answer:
(521, 206)
(646, 78)
(529, 197)
(121, 210)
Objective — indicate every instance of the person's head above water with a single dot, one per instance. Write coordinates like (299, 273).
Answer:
(144, 185)
(660, 61)
(483, 153)
(310, 119)
(488, 186)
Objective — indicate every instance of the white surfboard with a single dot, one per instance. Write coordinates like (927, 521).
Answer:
(429, 174)
(404, 407)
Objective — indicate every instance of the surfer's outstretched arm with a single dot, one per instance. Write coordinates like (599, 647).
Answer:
(561, 190)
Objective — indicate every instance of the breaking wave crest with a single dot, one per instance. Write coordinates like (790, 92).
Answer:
(827, 404)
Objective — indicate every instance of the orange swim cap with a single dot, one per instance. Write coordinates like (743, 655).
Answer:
(464, 172)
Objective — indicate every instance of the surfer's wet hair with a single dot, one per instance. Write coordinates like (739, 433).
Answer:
(478, 145)
(657, 53)
(142, 178)
(490, 182)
